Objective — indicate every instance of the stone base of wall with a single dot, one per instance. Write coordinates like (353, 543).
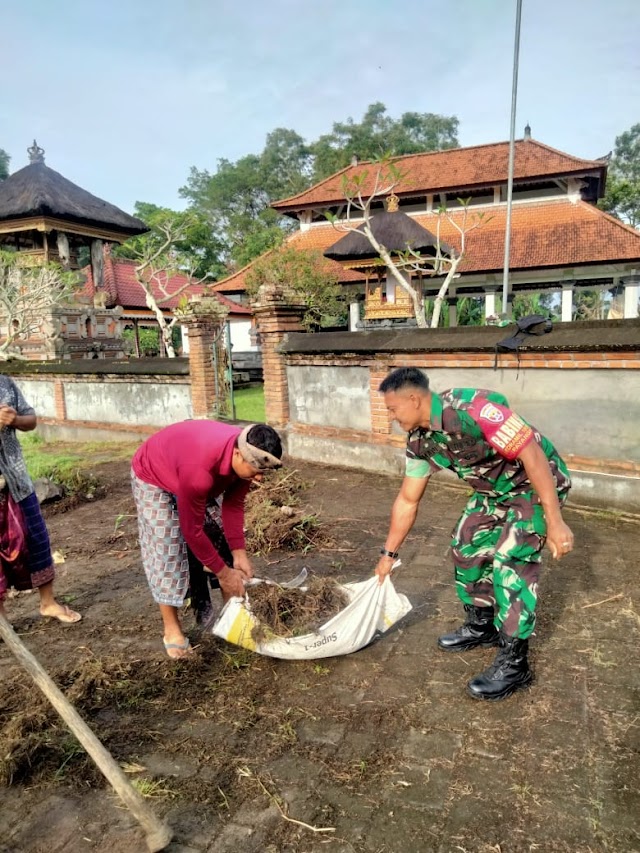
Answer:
(55, 430)
(613, 489)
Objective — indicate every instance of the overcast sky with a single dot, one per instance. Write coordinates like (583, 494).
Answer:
(125, 96)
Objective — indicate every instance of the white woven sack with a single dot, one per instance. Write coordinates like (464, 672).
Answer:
(373, 608)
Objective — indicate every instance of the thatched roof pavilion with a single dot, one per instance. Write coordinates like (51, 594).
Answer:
(396, 231)
(37, 192)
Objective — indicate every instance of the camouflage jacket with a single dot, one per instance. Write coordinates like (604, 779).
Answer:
(475, 434)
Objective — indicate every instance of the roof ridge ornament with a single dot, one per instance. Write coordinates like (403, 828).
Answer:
(392, 203)
(36, 154)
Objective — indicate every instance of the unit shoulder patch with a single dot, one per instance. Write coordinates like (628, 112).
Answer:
(503, 429)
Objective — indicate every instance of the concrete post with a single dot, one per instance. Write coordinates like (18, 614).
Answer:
(631, 294)
(354, 316)
(567, 302)
(277, 312)
(452, 302)
(489, 303)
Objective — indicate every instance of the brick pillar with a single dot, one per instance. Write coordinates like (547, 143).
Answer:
(277, 313)
(202, 332)
(59, 400)
(380, 418)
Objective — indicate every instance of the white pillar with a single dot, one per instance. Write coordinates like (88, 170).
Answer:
(567, 302)
(453, 311)
(489, 303)
(631, 294)
(354, 316)
(184, 332)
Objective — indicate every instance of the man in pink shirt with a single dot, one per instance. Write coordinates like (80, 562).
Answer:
(182, 477)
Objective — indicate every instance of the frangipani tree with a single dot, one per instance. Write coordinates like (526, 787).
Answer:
(361, 191)
(28, 293)
(163, 271)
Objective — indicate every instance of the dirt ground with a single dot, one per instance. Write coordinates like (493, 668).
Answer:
(378, 752)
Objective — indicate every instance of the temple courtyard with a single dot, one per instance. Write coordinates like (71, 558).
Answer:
(378, 752)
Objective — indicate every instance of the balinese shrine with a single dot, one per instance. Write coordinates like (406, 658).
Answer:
(385, 298)
(48, 219)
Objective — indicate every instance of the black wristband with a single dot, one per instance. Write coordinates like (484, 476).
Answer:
(392, 554)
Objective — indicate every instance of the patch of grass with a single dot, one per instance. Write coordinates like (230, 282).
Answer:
(152, 789)
(250, 404)
(69, 464)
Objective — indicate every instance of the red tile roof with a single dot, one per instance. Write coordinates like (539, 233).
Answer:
(123, 288)
(544, 234)
(453, 169)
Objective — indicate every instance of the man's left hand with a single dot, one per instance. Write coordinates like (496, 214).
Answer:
(7, 416)
(242, 563)
(559, 540)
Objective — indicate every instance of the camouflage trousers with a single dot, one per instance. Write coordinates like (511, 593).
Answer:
(496, 549)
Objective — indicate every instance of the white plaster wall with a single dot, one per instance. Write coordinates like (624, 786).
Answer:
(39, 394)
(130, 403)
(586, 412)
(240, 340)
(330, 396)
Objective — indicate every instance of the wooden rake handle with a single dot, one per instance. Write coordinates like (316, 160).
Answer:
(157, 832)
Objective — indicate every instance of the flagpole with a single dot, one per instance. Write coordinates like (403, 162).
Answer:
(512, 151)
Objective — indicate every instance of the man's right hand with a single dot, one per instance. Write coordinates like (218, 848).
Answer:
(384, 568)
(231, 582)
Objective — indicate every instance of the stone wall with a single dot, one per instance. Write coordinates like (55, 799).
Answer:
(103, 400)
(580, 385)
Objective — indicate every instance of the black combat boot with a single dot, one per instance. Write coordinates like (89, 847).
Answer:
(509, 671)
(478, 630)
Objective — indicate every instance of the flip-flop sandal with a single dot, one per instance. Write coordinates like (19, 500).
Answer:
(183, 647)
(67, 617)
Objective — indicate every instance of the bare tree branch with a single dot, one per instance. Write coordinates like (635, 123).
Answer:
(161, 263)
(386, 180)
(27, 296)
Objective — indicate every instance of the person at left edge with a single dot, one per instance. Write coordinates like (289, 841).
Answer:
(26, 561)
(189, 482)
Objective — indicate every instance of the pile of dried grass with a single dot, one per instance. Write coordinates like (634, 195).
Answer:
(32, 737)
(274, 518)
(294, 612)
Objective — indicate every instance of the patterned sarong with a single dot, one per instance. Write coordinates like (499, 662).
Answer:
(37, 569)
(169, 565)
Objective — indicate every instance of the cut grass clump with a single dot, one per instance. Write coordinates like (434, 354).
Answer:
(275, 519)
(284, 612)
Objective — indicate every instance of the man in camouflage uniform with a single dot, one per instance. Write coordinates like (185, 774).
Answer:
(519, 485)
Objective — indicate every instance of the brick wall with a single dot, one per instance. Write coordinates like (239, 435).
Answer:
(580, 386)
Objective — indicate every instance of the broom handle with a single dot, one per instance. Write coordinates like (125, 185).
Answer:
(158, 834)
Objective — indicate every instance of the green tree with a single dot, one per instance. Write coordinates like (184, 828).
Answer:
(235, 199)
(303, 274)
(4, 164)
(197, 242)
(535, 303)
(622, 197)
(378, 135)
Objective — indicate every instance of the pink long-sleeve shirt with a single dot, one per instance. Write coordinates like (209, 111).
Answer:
(192, 460)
